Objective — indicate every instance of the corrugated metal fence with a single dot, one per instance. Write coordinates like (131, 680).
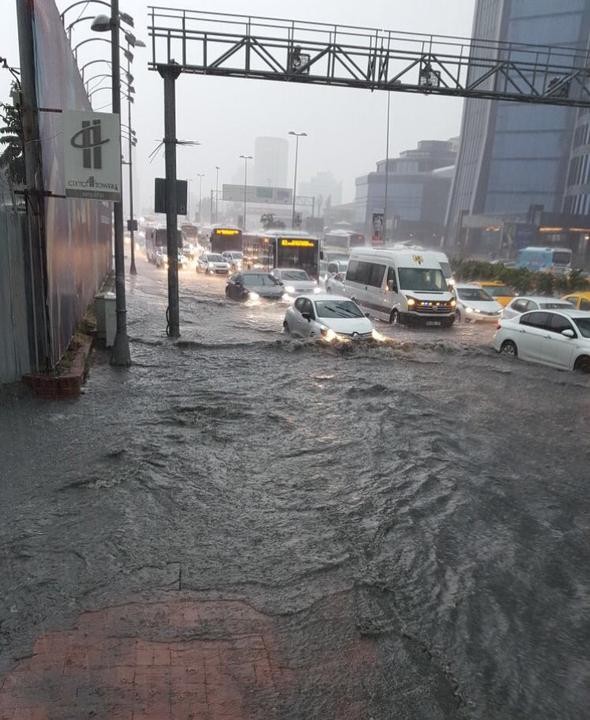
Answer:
(14, 345)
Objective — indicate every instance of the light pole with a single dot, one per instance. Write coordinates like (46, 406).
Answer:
(297, 136)
(121, 356)
(245, 158)
(200, 176)
(217, 169)
(132, 41)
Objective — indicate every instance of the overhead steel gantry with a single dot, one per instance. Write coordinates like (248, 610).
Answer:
(220, 44)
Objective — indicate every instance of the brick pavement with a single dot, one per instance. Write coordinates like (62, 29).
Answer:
(178, 659)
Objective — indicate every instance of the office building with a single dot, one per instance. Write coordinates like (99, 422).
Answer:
(271, 158)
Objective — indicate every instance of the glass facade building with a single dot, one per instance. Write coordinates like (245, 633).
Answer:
(515, 155)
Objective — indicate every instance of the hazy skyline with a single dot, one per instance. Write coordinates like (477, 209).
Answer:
(346, 127)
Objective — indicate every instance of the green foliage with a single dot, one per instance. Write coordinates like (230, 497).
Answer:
(11, 141)
(521, 279)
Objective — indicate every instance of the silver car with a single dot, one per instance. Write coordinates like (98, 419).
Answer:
(296, 281)
(213, 264)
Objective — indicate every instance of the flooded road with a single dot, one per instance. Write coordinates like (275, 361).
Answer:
(413, 517)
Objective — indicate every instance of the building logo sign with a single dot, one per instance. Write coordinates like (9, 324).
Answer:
(92, 155)
(418, 259)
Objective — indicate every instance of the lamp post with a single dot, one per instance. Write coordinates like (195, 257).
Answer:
(217, 169)
(132, 41)
(245, 158)
(121, 356)
(297, 136)
(200, 176)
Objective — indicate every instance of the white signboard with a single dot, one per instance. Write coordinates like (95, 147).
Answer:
(258, 194)
(92, 155)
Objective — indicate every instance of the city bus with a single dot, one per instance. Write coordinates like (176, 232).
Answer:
(545, 259)
(343, 240)
(225, 237)
(156, 240)
(283, 249)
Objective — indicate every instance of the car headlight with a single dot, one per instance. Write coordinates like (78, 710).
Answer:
(317, 290)
(469, 310)
(289, 289)
(411, 302)
(376, 335)
(253, 296)
(453, 303)
(328, 334)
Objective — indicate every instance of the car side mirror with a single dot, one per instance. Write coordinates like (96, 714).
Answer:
(568, 333)
(307, 316)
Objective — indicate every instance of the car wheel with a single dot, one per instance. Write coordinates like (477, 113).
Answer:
(286, 327)
(583, 364)
(394, 317)
(509, 348)
(458, 316)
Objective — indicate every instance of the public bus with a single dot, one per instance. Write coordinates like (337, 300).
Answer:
(343, 240)
(156, 240)
(545, 259)
(283, 249)
(225, 237)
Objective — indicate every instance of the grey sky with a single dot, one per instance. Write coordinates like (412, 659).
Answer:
(346, 127)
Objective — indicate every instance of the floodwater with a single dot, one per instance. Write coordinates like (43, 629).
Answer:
(425, 502)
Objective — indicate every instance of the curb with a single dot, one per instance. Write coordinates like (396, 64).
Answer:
(65, 386)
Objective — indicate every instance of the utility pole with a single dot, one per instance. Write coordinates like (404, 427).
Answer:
(245, 158)
(170, 73)
(36, 251)
(132, 268)
(217, 193)
(297, 136)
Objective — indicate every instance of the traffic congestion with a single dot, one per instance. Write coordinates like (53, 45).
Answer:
(337, 289)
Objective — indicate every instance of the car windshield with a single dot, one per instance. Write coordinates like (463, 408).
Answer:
(215, 258)
(561, 257)
(499, 290)
(337, 309)
(555, 305)
(294, 275)
(259, 280)
(422, 279)
(235, 255)
(583, 325)
(474, 294)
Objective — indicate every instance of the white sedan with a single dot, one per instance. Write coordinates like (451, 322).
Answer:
(296, 281)
(550, 337)
(331, 317)
(335, 283)
(527, 303)
(474, 304)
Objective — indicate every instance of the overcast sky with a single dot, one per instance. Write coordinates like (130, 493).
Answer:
(346, 127)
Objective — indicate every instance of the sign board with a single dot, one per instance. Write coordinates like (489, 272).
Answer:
(258, 194)
(297, 242)
(92, 155)
(160, 200)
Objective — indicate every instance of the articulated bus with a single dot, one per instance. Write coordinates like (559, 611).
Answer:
(283, 249)
(225, 237)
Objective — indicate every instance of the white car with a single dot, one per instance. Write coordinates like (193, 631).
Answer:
(213, 264)
(527, 303)
(335, 284)
(235, 258)
(557, 338)
(331, 317)
(295, 281)
(474, 304)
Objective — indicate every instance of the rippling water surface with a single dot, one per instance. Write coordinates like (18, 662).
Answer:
(432, 494)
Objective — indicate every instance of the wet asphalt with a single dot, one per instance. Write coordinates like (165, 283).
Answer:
(438, 488)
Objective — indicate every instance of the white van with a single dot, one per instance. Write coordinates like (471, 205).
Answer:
(400, 286)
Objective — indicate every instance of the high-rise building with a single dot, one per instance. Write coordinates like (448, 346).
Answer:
(418, 185)
(513, 157)
(271, 157)
(324, 187)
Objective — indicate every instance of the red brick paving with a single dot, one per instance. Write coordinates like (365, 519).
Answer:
(181, 659)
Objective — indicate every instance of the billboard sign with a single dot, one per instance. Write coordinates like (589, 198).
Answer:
(258, 194)
(92, 155)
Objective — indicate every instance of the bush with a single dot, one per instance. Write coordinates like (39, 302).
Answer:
(521, 279)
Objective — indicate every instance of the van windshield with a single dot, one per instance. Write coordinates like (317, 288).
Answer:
(422, 279)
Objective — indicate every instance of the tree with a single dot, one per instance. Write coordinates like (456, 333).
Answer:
(11, 141)
(269, 221)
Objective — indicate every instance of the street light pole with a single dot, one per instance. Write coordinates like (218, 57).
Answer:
(297, 136)
(132, 268)
(217, 193)
(245, 159)
(120, 356)
(200, 176)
